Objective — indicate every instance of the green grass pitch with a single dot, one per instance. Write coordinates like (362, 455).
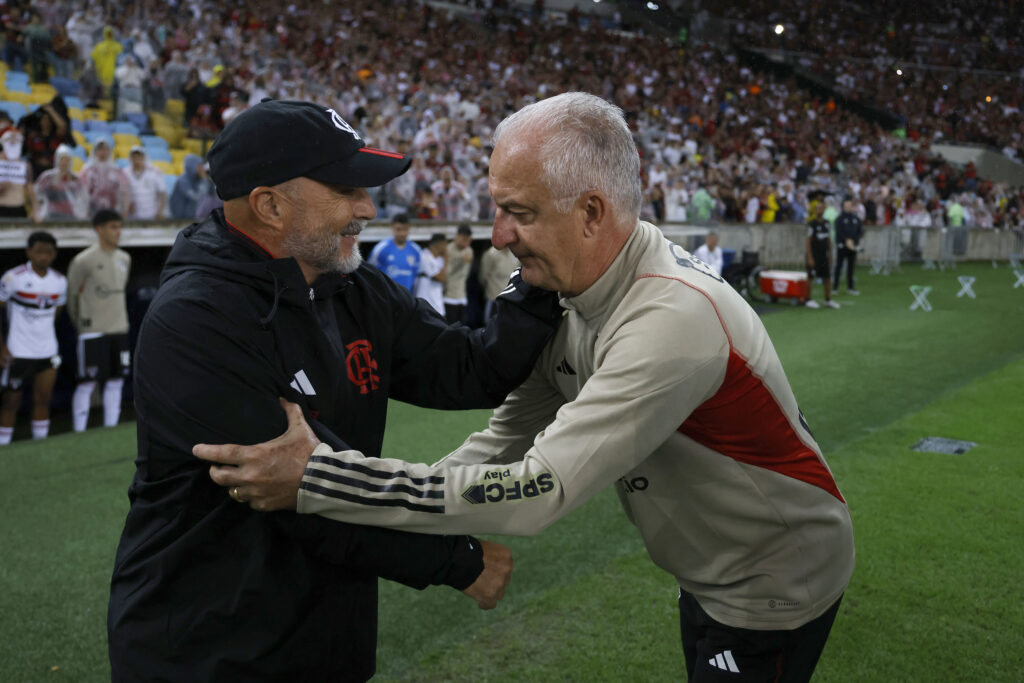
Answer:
(935, 596)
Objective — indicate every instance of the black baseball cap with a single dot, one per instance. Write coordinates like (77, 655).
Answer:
(278, 140)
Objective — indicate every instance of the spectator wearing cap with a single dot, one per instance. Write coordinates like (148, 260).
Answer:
(267, 298)
(61, 193)
(432, 275)
(148, 190)
(105, 183)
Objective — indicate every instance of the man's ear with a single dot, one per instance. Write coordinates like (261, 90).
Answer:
(267, 206)
(596, 212)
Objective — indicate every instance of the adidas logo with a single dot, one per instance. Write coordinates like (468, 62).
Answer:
(724, 661)
(301, 384)
(564, 368)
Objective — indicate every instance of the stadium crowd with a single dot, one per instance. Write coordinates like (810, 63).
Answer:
(950, 71)
(720, 141)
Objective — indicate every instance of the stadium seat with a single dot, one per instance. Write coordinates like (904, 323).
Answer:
(141, 121)
(154, 141)
(157, 154)
(18, 87)
(122, 151)
(96, 124)
(77, 164)
(14, 109)
(175, 109)
(44, 89)
(39, 98)
(170, 180)
(78, 135)
(77, 124)
(165, 167)
(76, 114)
(94, 114)
(124, 128)
(126, 139)
(79, 152)
(123, 163)
(91, 136)
(195, 145)
(73, 101)
(22, 98)
(68, 88)
(179, 156)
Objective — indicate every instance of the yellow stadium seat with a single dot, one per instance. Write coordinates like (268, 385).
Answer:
(78, 137)
(44, 89)
(122, 151)
(193, 145)
(179, 156)
(20, 97)
(77, 164)
(175, 109)
(166, 167)
(126, 139)
(158, 119)
(95, 114)
(76, 113)
(38, 98)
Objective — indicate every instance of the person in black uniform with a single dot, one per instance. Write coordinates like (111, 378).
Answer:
(818, 247)
(849, 231)
(268, 298)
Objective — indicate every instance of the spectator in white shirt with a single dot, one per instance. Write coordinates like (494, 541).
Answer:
(710, 253)
(148, 188)
(432, 276)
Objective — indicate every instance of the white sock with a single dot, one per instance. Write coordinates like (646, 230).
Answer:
(112, 402)
(40, 429)
(80, 405)
(5, 435)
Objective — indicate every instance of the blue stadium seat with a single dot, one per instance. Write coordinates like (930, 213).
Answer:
(141, 121)
(126, 127)
(123, 163)
(79, 152)
(18, 86)
(17, 77)
(73, 101)
(93, 135)
(68, 88)
(78, 125)
(157, 154)
(14, 109)
(170, 180)
(99, 126)
(151, 142)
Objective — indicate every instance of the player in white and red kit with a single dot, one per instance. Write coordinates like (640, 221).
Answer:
(33, 294)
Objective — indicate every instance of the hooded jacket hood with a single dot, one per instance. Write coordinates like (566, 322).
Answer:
(215, 247)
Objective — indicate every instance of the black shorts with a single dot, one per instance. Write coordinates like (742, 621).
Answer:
(716, 652)
(820, 267)
(104, 357)
(20, 370)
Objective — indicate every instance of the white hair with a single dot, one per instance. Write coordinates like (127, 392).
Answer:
(588, 146)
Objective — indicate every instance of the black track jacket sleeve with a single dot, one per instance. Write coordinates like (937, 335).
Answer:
(200, 380)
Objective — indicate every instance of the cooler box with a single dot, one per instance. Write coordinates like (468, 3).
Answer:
(784, 284)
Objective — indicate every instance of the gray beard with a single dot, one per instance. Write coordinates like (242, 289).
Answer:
(321, 251)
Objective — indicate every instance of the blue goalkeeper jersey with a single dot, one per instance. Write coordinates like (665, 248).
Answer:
(401, 264)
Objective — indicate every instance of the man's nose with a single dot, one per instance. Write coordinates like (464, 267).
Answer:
(363, 207)
(503, 233)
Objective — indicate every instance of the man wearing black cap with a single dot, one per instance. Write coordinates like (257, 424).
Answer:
(268, 298)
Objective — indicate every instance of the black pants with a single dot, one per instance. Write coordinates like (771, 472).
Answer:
(716, 652)
(850, 256)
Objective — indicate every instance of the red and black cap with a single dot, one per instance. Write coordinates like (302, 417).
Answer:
(278, 140)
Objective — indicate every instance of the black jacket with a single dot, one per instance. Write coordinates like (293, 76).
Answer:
(848, 226)
(203, 587)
